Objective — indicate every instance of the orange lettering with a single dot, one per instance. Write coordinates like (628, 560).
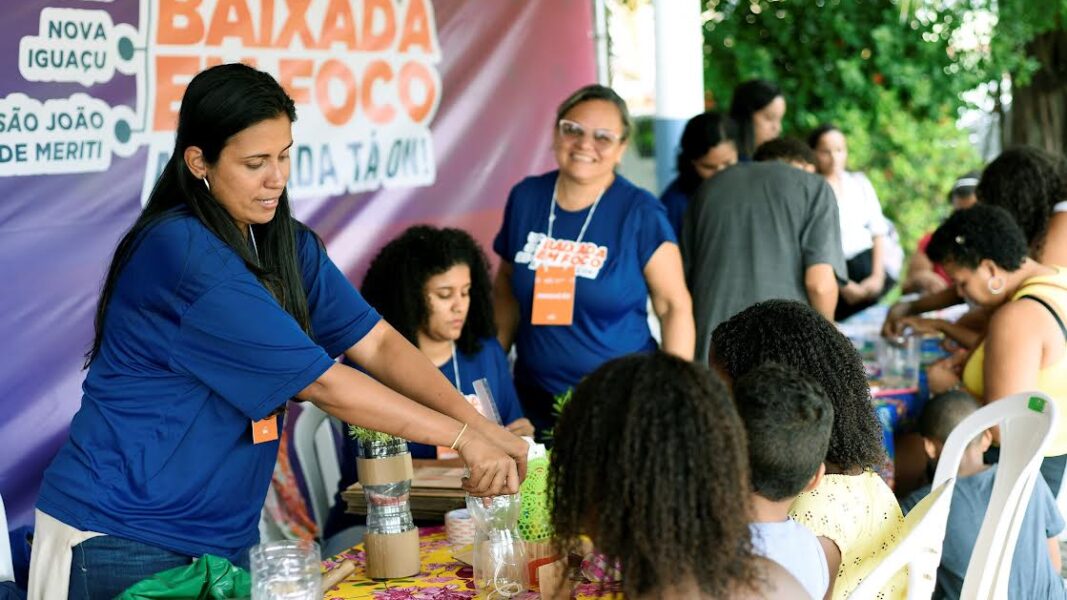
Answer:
(266, 22)
(231, 19)
(169, 69)
(377, 41)
(288, 70)
(409, 75)
(296, 25)
(417, 30)
(333, 69)
(179, 23)
(377, 113)
(338, 26)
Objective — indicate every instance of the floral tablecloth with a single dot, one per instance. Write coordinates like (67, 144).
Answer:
(441, 578)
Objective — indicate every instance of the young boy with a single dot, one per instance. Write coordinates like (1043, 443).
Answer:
(788, 419)
(1035, 568)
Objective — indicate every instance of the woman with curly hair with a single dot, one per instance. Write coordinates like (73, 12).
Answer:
(853, 511)
(1031, 185)
(432, 285)
(650, 462)
(1025, 348)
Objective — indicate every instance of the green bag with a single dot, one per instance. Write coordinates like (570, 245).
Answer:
(209, 577)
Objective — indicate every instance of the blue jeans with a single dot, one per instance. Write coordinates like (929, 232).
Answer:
(104, 566)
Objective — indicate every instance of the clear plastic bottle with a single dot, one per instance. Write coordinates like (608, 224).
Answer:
(500, 568)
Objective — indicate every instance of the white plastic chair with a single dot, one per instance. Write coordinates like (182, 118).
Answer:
(7, 570)
(1026, 421)
(919, 548)
(316, 453)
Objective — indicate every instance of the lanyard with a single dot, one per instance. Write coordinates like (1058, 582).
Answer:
(588, 218)
(455, 368)
(252, 235)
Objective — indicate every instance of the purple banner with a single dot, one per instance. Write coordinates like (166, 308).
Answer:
(409, 111)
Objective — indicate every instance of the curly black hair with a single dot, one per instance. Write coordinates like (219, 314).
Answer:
(793, 334)
(702, 133)
(1027, 182)
(785, 149)
(981, 232)
(650, 461)
(395, 280)
(788, 419)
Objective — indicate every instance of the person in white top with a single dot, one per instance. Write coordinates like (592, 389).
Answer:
(864, 229)
(788, 419)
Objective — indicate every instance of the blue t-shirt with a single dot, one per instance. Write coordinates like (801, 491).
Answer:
(193, 350)
(611, 295)
(488, 363)
(675, 201)
(1032, 575)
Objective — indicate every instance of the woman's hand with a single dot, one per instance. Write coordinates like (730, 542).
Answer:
(493, 471)
(892, 328)
(921, 325)
(853, 293)
(945, 374)
(521, 427)
(510, 443)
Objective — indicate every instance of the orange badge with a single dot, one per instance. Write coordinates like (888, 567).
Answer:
(265, 430)
(553, 296)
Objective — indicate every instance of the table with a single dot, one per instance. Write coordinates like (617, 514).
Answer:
(441, 577)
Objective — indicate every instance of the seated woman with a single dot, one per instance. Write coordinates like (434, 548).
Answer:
(650, 462)
(864, 229)
(853, 511)
(432, 286)
(1025, 346)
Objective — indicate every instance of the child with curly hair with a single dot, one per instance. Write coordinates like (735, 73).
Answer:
(853, 511)
(650, 463)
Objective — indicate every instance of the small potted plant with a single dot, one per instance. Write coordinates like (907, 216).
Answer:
(385, 472)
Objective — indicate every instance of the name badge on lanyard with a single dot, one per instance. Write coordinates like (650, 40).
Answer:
(554, 286)
(553, 296)
(265, 430)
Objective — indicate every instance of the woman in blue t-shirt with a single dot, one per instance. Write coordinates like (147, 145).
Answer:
(217, 309)
(581, 250)
(708, 145)
(432, 286)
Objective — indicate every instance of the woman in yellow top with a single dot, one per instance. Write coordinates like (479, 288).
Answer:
(984, 251)
(852, 511)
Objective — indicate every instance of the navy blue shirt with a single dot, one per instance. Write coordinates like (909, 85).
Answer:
(194, 349)
(491, 364)
(611, 295)
(675, 201)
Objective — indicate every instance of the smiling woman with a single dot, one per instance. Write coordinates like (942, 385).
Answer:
(218, 308)
(582, 249)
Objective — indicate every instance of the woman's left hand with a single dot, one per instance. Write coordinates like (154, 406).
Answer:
(521, 427)
(509, 442)
(944, 375)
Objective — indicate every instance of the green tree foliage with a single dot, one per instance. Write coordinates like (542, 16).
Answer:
(882, 72)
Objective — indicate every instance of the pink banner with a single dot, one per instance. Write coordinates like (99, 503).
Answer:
(409, 111)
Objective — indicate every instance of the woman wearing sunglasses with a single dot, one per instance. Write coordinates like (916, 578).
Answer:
(582, 249)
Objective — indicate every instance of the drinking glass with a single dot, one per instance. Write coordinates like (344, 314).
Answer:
(286, 570)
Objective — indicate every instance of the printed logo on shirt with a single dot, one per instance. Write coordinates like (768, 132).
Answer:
(587, 258)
